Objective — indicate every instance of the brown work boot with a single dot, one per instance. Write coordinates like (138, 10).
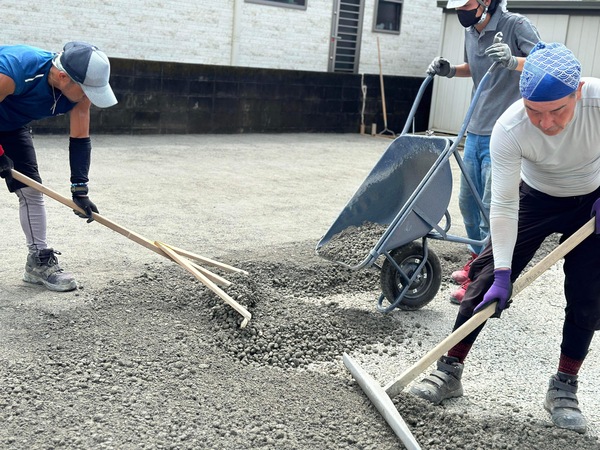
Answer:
(42, 268)
(442, 383)
(562, 404)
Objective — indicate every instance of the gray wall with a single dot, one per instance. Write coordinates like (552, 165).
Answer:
(164, 98)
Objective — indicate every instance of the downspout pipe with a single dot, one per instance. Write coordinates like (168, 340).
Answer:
(235, 33)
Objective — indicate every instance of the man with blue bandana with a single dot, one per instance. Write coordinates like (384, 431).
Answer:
(36, 84)
(545, 179)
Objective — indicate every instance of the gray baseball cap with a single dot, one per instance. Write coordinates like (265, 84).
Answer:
(90, 68)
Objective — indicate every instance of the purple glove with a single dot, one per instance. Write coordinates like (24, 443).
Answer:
(596, 212)
(500, 291)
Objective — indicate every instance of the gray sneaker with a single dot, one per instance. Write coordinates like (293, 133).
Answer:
(42, 268)
(562, 404)
(442, 383)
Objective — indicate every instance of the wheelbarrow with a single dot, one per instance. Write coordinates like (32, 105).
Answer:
(404, 199)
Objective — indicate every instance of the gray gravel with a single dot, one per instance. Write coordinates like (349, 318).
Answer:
(145, 357)
(157, 362)
(352, 245)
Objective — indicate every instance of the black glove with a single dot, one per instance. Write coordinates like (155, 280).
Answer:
(442, 67)
(82, 200)
(6, 165)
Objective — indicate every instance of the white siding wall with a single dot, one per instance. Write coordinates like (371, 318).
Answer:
(202, 31)
(451, 96)
(410, 52)
(583, 38)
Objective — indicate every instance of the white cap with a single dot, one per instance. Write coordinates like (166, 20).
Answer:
(456, 3)
(90, 68)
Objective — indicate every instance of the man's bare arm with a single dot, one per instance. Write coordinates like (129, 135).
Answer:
(80, 119)
(7, 86)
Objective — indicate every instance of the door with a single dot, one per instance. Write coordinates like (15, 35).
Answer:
(451, 96)
(346, 31)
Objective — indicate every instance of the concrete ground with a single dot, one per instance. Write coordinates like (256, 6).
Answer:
(205, 193)
(219, 195)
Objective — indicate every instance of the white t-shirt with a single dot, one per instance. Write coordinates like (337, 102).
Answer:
(564, 165)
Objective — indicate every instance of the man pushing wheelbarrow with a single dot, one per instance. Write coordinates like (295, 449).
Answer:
(545, 180)
(482, 20)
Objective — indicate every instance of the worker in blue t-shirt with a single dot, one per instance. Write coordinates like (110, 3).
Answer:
(36, 84)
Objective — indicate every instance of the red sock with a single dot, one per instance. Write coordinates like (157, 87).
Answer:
(460, 351)
(568, 365)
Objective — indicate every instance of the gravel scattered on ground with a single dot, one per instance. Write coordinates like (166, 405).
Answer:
(145, 357)
(159, 362)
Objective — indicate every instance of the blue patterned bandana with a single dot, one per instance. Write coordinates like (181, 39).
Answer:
(551, 71)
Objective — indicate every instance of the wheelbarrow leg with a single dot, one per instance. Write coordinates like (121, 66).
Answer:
(382, 402)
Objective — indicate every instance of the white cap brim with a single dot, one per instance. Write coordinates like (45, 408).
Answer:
(100, 96)
(456, 3)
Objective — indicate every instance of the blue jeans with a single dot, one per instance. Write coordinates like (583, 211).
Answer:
(477, 164)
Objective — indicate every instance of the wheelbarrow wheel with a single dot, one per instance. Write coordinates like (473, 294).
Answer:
(424, 287)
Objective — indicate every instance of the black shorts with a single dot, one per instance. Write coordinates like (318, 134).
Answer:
(541, 215)
(18, 146)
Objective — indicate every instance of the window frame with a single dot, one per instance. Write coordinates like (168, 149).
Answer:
(376, 13)
(279, 3)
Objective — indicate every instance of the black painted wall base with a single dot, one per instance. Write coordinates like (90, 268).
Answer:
(173, 98)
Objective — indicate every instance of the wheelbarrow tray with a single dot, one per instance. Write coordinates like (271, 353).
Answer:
(407, 193)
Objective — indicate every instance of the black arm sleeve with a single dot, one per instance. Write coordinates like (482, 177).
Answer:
(80, 152)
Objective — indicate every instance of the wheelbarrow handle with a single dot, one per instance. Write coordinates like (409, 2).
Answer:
(396, 386)
(416, 102)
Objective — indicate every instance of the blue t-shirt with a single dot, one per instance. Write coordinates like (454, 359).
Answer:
(33, 98)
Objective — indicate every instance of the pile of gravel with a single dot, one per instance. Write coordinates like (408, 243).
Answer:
(353, 244)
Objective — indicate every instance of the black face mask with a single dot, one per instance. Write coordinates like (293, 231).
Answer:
(468, 17)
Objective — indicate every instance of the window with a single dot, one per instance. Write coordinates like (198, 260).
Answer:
(387, 16)
(297, 4)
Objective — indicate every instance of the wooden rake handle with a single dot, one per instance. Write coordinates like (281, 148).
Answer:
(204, 260)
(116, 227)
(205, 276)
(396, 386)
(97, 217)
